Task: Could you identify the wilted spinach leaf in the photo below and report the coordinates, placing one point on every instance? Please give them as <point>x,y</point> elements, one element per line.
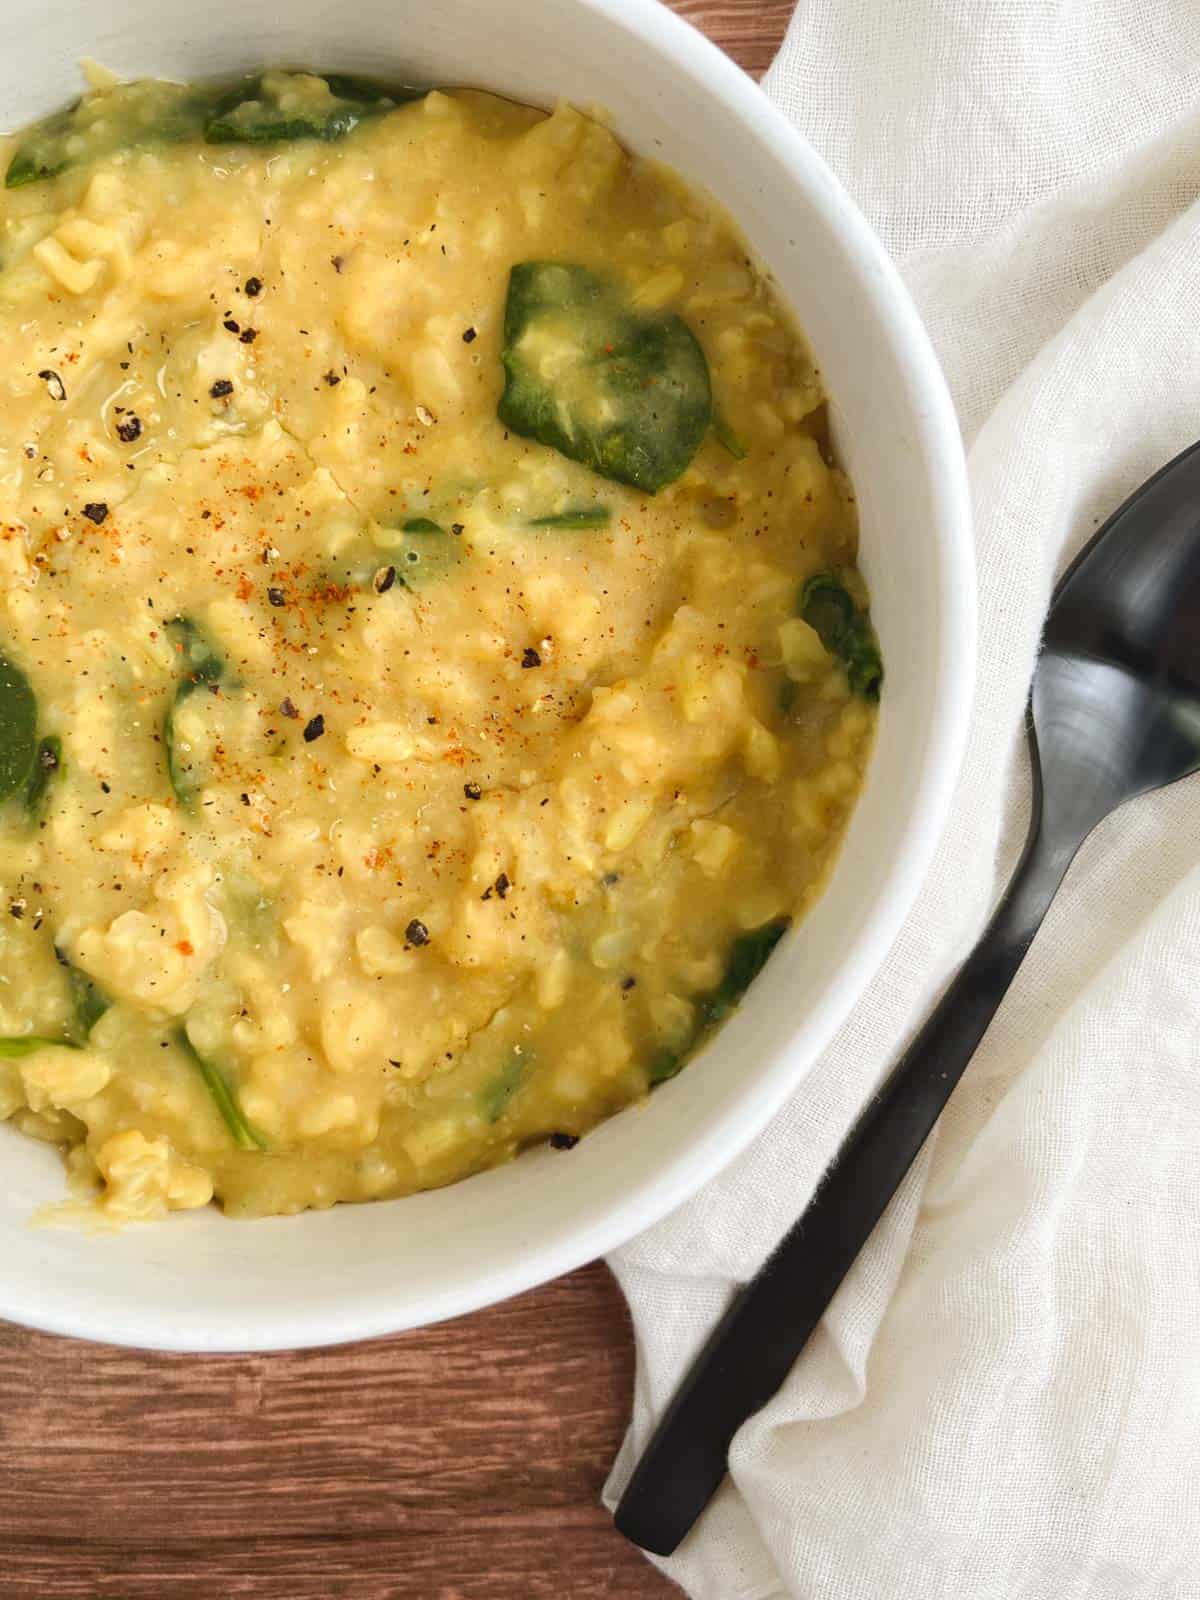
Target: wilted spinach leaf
<point>845,632</point>
<point>18,729</point>
<point>626,394</point>
<point>582,517</point>
<point>202,667</point>
<point>24,1044</point>
<point>273,108</point>
<point>129,116</point>
<point>245,1135</point>
<point>504,1085</point>
<point>746,958</point>
<point>88,1001</point>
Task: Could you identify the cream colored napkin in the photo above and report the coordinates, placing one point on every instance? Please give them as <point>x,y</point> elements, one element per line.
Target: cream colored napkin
<point>1003,1402</point>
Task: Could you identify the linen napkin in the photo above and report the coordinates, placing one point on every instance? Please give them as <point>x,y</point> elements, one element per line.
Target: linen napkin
<point>1003,1401</point>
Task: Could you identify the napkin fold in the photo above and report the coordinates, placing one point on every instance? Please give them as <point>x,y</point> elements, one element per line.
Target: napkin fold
<point>1003,1401</point>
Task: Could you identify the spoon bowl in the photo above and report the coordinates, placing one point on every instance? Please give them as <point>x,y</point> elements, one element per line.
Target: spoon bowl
<point>1115,708</point>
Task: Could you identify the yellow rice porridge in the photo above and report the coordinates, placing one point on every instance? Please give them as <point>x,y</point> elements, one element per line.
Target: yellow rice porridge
<point>433,669</point>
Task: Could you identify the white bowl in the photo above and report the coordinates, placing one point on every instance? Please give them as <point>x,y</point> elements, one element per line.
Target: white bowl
<point>201,1282</point>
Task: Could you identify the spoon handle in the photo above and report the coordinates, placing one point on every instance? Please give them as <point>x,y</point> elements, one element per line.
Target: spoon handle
<point>769,1321</point>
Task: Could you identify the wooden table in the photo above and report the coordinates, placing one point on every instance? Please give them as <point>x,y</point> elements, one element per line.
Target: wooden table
<point>463,1462</point>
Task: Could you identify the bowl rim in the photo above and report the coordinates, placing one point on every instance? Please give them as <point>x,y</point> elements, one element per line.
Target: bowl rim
<point>650,1199</point>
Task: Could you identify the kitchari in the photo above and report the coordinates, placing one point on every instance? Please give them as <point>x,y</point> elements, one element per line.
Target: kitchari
<point>433,669</point>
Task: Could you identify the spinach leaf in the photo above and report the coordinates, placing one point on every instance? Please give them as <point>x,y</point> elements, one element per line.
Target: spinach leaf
<point>26,763</point>
<point>665,1064</point>
<point>265,108</point>
<point>270,108</point>
<point>827,608</point>
<point>626,394</point>
<point>24,1044</point>
<point>726,437</point>
<point>47,766</point>
<point>202,668</point>
<point>245,1135</point>
<point>43,152</point>
<point>428,551</point>
<point>18,729</point>
<point>747,957</point>
<point>202,661</point>
<point>130,116</point>
<point>845,632</point>
<point>583,517</point>
<point>500,1091</point>
<point>88,1001</point>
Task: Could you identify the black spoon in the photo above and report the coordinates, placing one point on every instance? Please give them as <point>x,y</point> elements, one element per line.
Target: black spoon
<point>1114,712</point>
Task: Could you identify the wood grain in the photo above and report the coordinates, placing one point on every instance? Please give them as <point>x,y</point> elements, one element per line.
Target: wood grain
<point>749,30</point>
<point>462,1462</point>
